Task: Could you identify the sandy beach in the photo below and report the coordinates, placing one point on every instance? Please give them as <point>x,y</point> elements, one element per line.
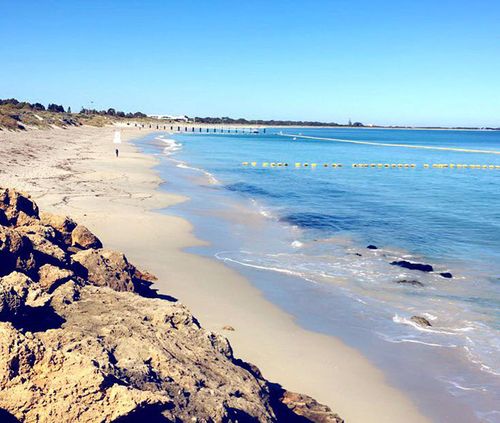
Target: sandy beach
<point>74,172</point>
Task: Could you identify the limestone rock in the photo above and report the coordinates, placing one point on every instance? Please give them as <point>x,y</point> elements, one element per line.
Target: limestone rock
<point>309,408</point>
<point>46,251</point>
<point>12,246</point>
<point>83,238</point>
<point>13,202</point>
<point>106,268</point>
<point>14,290</point>
<point>51,276</point>
<point>62,224</point>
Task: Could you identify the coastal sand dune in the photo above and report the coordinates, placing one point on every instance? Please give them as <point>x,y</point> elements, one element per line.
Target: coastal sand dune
<point>75,172</point>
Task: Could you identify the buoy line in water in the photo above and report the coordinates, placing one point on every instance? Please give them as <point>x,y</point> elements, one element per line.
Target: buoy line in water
<point>373,165</point>
<point>382,144</point>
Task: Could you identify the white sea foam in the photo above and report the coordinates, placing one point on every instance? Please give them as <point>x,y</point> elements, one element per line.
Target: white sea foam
<point>220,256</point>
<point>448,331</point>
<point>297,244</point>
<point>401,340</point>
<point>172,146</point>
<point>211,178</point>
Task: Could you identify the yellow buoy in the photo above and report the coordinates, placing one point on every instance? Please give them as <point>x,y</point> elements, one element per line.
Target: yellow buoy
<point>254,164</point>
<point>297,164</point>
<point>265,164</point>
<point>245,163</point>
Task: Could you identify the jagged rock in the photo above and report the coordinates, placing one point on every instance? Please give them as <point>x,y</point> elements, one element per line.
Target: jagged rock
<point>62,224</point>
<point>12,246</point>
<point>145,276</point>
<point>229,328</point>
<point>446,275</point>
<point>372,247</point>
<point>309,408</point>
<point>421,321</point>
<point>44,231</point>
<point>83,238</point>
<point>117,356</point>
<point>47,251</point>
<point>413,282</point>
<point>50,277</point>
<point>413,266</point>
<point>105,268</point>
<point>13,293</point>
<point>13,202</point>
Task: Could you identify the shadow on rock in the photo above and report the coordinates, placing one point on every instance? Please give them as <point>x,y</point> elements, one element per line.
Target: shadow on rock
<point>143,288</point>
<point>37,319</point>
<point>6,417</point>
<point>151,414</point>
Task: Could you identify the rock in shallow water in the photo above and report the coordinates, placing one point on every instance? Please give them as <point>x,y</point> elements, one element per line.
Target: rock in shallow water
<point>421,321</point>
<point>413,266</point>
<point>410,282</point>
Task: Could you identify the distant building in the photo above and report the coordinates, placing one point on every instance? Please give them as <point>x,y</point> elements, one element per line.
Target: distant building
<point>182,118</point>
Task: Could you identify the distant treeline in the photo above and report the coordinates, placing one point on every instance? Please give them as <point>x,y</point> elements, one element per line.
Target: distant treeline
<point>112,112</point>
<point>32,106</point>
<point>57,108</point>
<point>242,121</point>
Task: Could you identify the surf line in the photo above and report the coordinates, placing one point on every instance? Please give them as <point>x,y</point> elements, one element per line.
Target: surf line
<point>381,144</point>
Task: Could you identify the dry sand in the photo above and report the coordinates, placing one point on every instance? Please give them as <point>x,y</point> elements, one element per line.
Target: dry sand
<point>74,172</point>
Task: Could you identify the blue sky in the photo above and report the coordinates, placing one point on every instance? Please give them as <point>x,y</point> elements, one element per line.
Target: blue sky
<point>386,62</point>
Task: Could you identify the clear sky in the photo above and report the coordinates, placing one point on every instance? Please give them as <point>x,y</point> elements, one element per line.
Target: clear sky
<point>425,62</point>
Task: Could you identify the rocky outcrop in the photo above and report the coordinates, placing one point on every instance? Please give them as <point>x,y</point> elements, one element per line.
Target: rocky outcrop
<point>84,338</point>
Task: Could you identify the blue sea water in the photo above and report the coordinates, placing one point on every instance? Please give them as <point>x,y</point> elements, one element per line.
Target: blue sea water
<point>310,227</point>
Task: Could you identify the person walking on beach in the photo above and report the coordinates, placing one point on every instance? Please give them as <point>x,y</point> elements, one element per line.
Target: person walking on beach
<point>117,139</point>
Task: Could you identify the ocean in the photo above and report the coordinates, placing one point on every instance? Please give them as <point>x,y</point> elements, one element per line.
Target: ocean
<point>300,234</point>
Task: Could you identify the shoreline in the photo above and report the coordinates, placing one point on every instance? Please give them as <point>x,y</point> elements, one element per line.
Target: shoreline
<point>116,199</point>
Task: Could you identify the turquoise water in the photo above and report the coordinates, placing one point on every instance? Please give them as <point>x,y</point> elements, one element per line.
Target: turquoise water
<point>310,228</point>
